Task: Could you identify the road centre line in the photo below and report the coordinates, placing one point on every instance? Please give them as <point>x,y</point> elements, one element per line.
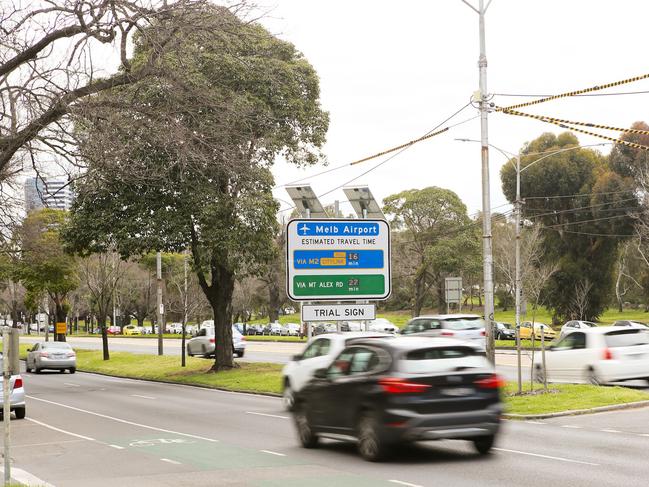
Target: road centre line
<point>117,447</point>
<point>143,397</point>
<point>546,456</point>
<point>610,431</point>
<point>535,422</point>
<point>174,462</point>
<point>570,426</point>
<point>48,443</point>
<point>60,430</point>
<point>71,384</point>
<point>273,453</point>
<point>269,415</point>
<point>407,484</point>
<point>119,420</point>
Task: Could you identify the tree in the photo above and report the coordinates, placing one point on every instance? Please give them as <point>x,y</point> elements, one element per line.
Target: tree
<point>183,162</point>
<point>438,237</point>
<point>44,266</point>
<point>583,206</point>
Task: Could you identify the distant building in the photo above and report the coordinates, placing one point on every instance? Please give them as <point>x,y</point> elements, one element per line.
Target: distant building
<point>55,193</point>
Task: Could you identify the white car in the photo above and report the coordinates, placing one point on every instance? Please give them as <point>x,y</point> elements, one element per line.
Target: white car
<point>576,325</point>
<point>291,329</point>
<point>631,324</point>
<point>384,325</point>
<point>318,353</point>
<point>470,328</point>
<point>598,356</point>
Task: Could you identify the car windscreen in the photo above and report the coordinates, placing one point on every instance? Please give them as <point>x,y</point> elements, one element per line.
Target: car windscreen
<point>440,359</point>
<point>62,345</point>
<point>588,323</point>
<point>626,338</point>
<point>464,324</point>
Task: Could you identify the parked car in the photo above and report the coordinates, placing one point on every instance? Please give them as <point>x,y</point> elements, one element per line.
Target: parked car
<point>132,330</point>
<point>529,332</point>
<point>575,325</point>
<point>318,352</point>
<point>459,326</point>
<point>174,328</point>
<point>204,343</point>
<point>401,390</point>
<point>631,324</point>
<point>504,331</point>
<point>51,356</point>
<point>254,329</point>
<point>351,326</point>
<point>292,329</point>
<point>16,396</point>
<point>114,330</point>
<point>598,356</point>
<point>276,329</point>
<point>382,324</point>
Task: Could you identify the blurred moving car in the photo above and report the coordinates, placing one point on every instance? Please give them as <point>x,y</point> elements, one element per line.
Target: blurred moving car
<point>504,331</point>
<point>402,390</point>
<point>204,343</point>
<point>534,333</point>
<point>318,352</point>
<point>575,325</point>
<point>598,356</point>
<point>132,330</point>
<point>382,324</point>
<point>16,395</point>
<point>51,356</point>
<point>631,324</point>
<point>459,326</point>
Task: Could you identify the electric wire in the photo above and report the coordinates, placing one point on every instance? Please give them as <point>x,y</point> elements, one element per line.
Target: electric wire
<point>529,95</point>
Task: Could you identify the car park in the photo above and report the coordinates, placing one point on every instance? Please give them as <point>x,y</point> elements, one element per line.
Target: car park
<point>631,324</point>
<point>51,356</point>
<point>532,331</point>
<point>318,352</point>
<point>16,396</point>
<point>573,325</point>
<point>132,330</point>
<point>459,326</point>
<point>597,355</point>
<point>401,390</point>
<point>504,331</point>
<point>204,343</point>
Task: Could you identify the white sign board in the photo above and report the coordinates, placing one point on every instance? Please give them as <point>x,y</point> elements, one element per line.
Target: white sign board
<point>337,260</point>
<point>338,312</point>
<point>453,286</point>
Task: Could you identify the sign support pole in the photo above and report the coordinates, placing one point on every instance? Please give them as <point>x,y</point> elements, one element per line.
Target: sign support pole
<point>6,405</point>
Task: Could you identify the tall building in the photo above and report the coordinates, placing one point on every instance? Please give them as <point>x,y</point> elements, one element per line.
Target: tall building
<point>53,193</point>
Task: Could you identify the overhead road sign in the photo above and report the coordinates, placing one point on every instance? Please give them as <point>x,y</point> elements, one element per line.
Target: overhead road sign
<point>336,259</point>
<point>364,204</point>
<point>306,201</point>
<point>338,312</point>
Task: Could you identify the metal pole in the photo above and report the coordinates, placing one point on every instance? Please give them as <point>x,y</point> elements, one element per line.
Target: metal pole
<point>517,286</point>
<point>486,203</point>
<point>309,331</point>
<point>160,311</point>
<point>6,405</point>
<point>184,329</point>
<point>545,375</point>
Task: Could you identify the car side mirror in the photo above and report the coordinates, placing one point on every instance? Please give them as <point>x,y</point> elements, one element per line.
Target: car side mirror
<point>296,357</point>
<point>320,373</point>
<point>552,347</point>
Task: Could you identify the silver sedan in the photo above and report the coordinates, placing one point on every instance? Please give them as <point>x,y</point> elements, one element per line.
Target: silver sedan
<point>52,355</point>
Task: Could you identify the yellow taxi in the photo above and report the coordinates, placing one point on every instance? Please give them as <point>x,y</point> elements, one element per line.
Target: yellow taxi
<point>131,330</point>
<point>527,332</point>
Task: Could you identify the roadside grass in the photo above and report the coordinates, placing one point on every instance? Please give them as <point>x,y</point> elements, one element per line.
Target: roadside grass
<point>567,397</point>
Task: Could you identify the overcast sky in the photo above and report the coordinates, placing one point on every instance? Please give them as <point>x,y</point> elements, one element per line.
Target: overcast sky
<point>391,71</point>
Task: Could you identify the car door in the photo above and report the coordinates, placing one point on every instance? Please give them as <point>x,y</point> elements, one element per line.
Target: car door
<point>195,344</point>
<point>323,396</point>
<point>315,356</point>
<point>560,357</point>
<point>579,359</point>
<point>31,356</point>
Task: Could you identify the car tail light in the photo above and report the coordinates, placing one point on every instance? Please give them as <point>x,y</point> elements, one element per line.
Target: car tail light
<point>483,333</point>
<point>212,340</point>
<point>491,382</point>
<point>401,386</point>
<point>447,334</point>
<point>18,383</point>
<point>44,354</point>
<point>607,354</point>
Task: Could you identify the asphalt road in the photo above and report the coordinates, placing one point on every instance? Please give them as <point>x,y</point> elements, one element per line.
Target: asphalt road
<point>90,430</point>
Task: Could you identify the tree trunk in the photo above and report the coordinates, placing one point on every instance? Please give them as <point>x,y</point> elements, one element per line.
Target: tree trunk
<point>273,303</point>
<point>441,298</point>
<point>104,336</point>
<point>60,318</point>
<point>220,298</point>
<point>420,285</point>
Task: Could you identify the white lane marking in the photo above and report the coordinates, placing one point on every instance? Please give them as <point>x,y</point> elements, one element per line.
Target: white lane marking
<point>143,397</point>
<point>60,430</point>
<point>269,415</point>
<point>535,422</point>
<point>26,478</point>
<point>571,426</point>
<point>546,456</point>
<point>71,384</point>
<point>174,462</point>
<point>119,420</point>
<point>46,443</point>
<point>273,453</point>
<point>643,434</point>
<point>117,447</point>
<point>407,484</point>
<point>610,431</point>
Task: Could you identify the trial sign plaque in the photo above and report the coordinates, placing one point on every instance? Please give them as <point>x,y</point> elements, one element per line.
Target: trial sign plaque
<point>338,260</point>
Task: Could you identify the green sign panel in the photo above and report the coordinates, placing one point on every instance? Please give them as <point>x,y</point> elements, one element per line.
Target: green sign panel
<point>339,285</point>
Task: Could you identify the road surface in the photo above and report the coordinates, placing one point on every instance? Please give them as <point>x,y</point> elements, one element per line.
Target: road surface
<point>89,430</point>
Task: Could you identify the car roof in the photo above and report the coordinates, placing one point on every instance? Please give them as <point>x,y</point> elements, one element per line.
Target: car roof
<point>355,334</point>
<point>445,317</point>
<point>605,329</point>
<point>416,342</point>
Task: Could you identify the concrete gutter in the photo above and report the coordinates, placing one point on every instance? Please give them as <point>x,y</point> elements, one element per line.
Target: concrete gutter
<point>577,412</point>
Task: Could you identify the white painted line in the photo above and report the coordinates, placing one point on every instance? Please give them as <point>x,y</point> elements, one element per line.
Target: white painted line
<point>143,397</point>
<point>407,484</point>
<point>71,384</point>
<point>117,447</point>
<point>27,445</point>
<point>610,431</point>
<point>174,462</point>
<point>571,426</point>
<point>268,415</point>
<point>60,430</point>
<point>643,434</point>
<point>547,456</point>
<point>273,453</point>
<point>119,420</point>
<point>535,422</point>
<point>26,478</point>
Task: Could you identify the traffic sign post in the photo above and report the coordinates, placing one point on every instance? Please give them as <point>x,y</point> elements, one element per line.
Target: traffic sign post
<point>338,260</point>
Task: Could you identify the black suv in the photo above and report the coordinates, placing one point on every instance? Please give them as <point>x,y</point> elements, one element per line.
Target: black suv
<point>382,392</point>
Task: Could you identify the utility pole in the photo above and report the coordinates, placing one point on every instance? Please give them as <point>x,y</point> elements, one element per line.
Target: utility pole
<point>160,308</point>
<point>517,222</point>
<point>184,328</point>
<point>6,404</point>
<point>487,263</point>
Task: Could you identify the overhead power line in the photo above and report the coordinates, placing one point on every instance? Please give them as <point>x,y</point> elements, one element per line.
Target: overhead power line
<point>529,95</point>
<point>576,195</point>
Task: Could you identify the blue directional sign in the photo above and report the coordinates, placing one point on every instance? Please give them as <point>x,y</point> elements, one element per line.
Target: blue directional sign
<point>338,259</point>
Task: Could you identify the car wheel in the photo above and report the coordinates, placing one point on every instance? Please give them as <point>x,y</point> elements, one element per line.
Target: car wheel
<point>539,376</point>
<point>73,370</point>
<point>308,438</point>
<point>241,352</point>
<point>483,444</point>
<point>20,413</point>
<point>288,396</point>
<point>62,371</point>
<point>37,370</point>
<point>592,377</point>
<point>370,445</point>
